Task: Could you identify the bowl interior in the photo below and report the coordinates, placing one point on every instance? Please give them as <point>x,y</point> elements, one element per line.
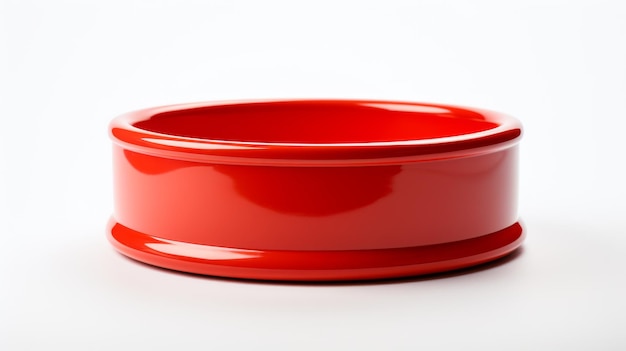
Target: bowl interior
<point>317,122</point>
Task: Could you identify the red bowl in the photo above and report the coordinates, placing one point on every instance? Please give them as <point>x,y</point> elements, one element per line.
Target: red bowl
<point>315,190</point>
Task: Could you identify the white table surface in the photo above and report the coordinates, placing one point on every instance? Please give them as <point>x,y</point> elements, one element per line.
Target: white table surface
<point>68,67</point>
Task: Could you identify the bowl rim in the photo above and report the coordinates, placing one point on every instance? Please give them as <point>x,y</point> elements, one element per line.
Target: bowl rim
<point>123,132</point>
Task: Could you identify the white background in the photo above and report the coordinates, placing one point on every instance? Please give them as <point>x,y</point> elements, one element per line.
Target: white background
<point>68,67</point>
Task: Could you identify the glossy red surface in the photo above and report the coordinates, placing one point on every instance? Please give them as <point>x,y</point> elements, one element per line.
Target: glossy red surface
<point>315,190</point>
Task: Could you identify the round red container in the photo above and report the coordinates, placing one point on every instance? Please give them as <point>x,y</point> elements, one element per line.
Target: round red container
<point>315,189</point>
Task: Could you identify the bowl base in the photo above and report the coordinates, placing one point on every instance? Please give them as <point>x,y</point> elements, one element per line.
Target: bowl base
<point>313,265</point>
